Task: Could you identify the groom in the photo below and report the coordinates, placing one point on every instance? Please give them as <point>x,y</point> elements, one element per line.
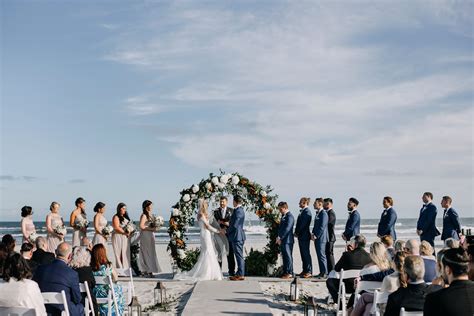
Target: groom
<point>236,237</point>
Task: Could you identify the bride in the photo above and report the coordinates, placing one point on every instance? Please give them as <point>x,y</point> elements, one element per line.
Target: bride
<point>207,267</point>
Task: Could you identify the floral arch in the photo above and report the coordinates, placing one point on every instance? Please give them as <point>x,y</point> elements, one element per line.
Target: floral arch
<point>257,199</point>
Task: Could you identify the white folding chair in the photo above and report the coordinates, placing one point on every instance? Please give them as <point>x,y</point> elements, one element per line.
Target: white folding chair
<point>368,286</point>
<point>341,299</point>
<point>56,298</point>
<point>17,311</point>
<point>107,280</point>
<point>379,298</point>
<point>88,304</point>
<point>343,311</point>
<point>130,286</point>
<point>405,313</point>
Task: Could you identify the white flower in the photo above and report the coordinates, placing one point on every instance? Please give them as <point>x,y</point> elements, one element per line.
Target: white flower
<point>221,186</point>
<point>195,188</point>
<point>263,193</point>
<point>181,253</point>
<point>267,206</point>
<point>225,179</point>
<point>215,180</point>
<point>176,212</point>
<point>193,196</point>
<point>235,180</point>
<point>177,234</point>
<point>186,198</point>
<point>208,186</point>
<point>173,242</point>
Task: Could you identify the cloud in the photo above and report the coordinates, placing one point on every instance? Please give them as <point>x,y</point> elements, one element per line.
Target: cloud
<point>18,178</point>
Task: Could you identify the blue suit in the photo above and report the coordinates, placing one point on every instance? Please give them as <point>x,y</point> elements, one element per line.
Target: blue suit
<point>304,237</point>
<point>56,277</point>
<point>352,225</point>
<point>321,235</point>
<point>427,223</point>
<point>387,223</point>
<point>285,233</point>
<point>236,238</point>
<point>451,224</point>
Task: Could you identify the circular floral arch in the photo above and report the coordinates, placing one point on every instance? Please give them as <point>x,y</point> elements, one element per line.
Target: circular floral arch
<point>257,199</point>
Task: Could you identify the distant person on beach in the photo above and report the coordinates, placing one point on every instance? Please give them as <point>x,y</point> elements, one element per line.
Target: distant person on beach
<point>303,234</point>
<point>451,224</point>
<point>426,225</point>
<point>27,225</point>
<point>286,239</point>
<point>388,219</point>
<point>320,236</point>
<point>353,222</point>
<point>328,204</point>
<point>78,215</point>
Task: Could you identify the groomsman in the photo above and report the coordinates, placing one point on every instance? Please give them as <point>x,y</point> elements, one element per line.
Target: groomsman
<point>222,217</point>
<point>320,236</point>
<point>286,239</point>
<point>353,222</point>
<point>388,219</point>
<point>331,233</point>
<point>303,234</point>
<point>451,224</point>
<point>426,225</point>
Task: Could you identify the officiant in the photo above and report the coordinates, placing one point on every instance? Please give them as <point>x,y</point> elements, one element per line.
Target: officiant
<point>221,219</point>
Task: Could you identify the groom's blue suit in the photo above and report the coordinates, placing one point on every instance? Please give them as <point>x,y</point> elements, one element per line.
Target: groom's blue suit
<point>236,237</point>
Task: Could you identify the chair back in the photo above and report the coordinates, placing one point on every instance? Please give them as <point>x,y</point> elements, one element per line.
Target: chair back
<point>342,276</point>
<point>88,304</point>
<point>17,311</point>
<point>107,280</point>
<point>58,298</point>
<point>403,312</point>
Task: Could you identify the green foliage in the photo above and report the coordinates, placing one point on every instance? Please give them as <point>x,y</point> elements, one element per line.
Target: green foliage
<point>256,263</point>
<point>190,260</point>
<point>135,250</point>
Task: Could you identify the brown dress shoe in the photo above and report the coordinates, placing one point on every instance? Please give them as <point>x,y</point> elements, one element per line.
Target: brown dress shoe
<point>286,276</point>
<point>307,276</point>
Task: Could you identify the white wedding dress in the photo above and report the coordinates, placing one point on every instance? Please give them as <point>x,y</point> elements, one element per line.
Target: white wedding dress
<point>207,267</point>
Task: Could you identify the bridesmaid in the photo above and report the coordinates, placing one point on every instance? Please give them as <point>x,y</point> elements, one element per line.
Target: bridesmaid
<point>53,219</point>
<point>148,262</point>
<point>120,238</point>
<point>99,223</point>
<point>77,215</point>
<point>27,225</point>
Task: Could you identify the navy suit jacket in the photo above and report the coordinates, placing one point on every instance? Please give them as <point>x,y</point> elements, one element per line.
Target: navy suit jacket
<point>235,232</point>
<point>320,228</point>
<point>451,224</point>
<point>427,222</point>
<point>285,230</point>
<point>56,277</point>
<point>302,224</point>
<point>352,225</point>
<point>331,224</point>
<point>387,223</point>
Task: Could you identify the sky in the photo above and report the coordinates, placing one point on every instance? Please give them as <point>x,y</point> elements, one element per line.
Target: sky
<point>122,101</point>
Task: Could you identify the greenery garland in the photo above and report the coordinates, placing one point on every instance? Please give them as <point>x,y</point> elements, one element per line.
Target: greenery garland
<point>257,199</point>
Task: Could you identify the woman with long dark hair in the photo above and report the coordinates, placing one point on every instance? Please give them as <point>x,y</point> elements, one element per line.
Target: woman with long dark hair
<point>76,220</point>
<point>148,262</point>
<point>120,237</point>
<point>99,224</point>
<point>27,225</point>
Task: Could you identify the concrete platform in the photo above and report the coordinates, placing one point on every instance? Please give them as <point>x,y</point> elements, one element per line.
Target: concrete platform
<point>227,298</point>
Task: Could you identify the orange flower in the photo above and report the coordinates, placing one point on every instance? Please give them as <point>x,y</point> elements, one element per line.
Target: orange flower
<point>179,242</point>
<point>264,199</point>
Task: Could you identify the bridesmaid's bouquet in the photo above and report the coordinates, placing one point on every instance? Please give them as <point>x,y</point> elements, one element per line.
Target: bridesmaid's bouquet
<point>130,228</point>
<point>82,223</point>
<point>60,230</point>
<point>32,238</point>
<point>156,222</point>
<point>107,230</point>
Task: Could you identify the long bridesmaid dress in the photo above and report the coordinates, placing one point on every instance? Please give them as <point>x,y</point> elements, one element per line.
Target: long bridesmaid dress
<point>29,228</point>
<point>148,262</point>
<point>98,238</point>
<point>78,234</point>
<point>54,241</point>
<point>121,246</point>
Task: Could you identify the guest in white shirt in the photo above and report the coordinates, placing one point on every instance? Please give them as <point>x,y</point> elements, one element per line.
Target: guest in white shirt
<point>16,290</point>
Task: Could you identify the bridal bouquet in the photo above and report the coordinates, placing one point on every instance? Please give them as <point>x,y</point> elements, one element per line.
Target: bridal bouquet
<point>156,222</point>
<point>107,230</point>
<point>60,230</point>
<point>82,223</point>
<point>130,228</point>
<point>32,238</point>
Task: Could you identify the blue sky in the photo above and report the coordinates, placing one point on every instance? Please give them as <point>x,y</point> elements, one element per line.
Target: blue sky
<point>131,100</point>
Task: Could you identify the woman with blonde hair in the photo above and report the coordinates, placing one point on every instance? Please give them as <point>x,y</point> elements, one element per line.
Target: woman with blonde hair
<point>380,261</point>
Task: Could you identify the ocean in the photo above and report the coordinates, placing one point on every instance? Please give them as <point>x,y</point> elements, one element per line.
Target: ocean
<point>255,230</point>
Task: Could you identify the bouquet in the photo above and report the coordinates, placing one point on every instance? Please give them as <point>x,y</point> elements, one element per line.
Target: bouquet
<point>60,230</point>
<point>156,222</point>
<point>82,223</point>
<point>107,230</point>
<point>130,228</point>
<point>32,238</point>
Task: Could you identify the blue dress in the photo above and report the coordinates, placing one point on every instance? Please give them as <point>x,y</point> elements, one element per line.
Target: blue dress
<point>102,290</point>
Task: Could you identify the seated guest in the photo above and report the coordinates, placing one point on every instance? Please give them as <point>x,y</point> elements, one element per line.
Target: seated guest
<point>85,242</point>
<point>426,252</point>
<point>387,241</point>
<point>399,245</point>
<point>379,259</point>
<point>101,266</point>
<point>470,251</point>
<point>411,297</point>
<point>81,263</point>
<point>412,247</point>
<point>58,276</point>
<point>16,290</point>
<point>458,298</point>
<point>9,242</point>
<point>41,255</point>
<point>26,252</point>
<point>439,280</point>
<point>353,259</point>
<point>451,243</point>
<point>3,257</point>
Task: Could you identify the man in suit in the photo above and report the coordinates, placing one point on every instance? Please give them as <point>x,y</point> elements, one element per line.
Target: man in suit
<point>58,276</point>
<point>426,225</point>
<point>320,236</point>
<point>286,239</point>
<point>412,297</point>
<point>222,218</point>
<point>303,234</point>
<point>355,258</point>
<point>412,248</point>
<point>387,220</point>
<point>40,255</point>
<point>353,222</point>
<point>236,237</point>
<point>332,235</point>
<point>26,252</point>
<point>458,298</point>
<point>451,224</point>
